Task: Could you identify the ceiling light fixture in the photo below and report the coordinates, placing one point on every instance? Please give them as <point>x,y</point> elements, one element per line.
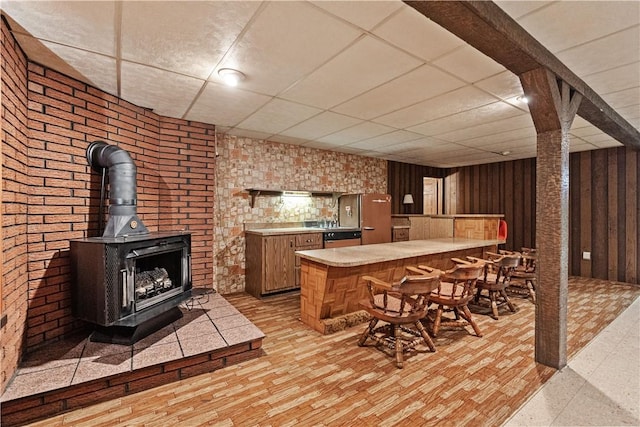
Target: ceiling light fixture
<point>523,98</point>
<point>230,76</point>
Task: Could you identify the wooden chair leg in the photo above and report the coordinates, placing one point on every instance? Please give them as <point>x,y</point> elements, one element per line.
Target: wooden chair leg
<point>478,292</point>
<point>508,301</point>
<point>365,334</point>
<point>437,320</point>
<point>398,340</point>
<point>425,335</point>
<point>494,304</point>
<point>467,314</point>
<point>532,290</point>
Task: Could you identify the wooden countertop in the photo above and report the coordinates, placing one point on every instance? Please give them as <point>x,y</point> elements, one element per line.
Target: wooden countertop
<point>451,216</point>
<point>370,254</point>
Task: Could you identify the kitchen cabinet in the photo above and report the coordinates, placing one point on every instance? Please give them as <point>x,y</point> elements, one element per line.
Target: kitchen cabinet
<point>271,264</point>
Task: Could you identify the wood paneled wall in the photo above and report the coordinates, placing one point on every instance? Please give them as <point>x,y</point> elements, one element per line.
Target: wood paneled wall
<point>507,187</point>
<point>604,207</point>
<point>403,178</point>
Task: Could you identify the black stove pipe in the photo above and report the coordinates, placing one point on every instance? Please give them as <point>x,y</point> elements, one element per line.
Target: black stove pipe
<point>123,218</point>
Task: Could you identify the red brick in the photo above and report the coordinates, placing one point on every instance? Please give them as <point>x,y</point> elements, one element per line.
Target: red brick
<point>153,381</point>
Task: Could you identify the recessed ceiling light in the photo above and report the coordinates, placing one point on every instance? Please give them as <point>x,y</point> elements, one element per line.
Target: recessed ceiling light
<point>230,76</point>
<point>505,153</point>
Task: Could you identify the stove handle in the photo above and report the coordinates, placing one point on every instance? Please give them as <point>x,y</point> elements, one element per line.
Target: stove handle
<point>125,294</point>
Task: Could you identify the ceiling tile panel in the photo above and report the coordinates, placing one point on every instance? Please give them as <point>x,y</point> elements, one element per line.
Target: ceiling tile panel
<point>417,85</point>
<point>513,146</point>
<point>321,125</point>
<point>411,31</point>
<point>185,37</point>
<point>603,54</point>
<point>35,48</point>
<point>469,64</point>
<point>615,79</point>
<point>465,98</point>
<point>287,41</point>
<point>386,140</point>
<point>512,119</point>
<point>168,94</point>
<point>95,69</point>
<point>363,66</point>
<point>87,25</point>
<point>278,115</point>
<point>288,140</point>
<point>504,85</point>
<point>247,133</point>
<point>466,119</point>
<point>631,114</point>
<point>500,138</point>
<point>550,26</point>
<point>417,144</point>
<point>623,98</point>
<point>364,14</point>
<point>519,8</point>
<point>356,133</point>
<point>224,105</point>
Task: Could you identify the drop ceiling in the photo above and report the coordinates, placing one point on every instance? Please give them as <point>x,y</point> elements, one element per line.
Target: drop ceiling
<point>374,78</point>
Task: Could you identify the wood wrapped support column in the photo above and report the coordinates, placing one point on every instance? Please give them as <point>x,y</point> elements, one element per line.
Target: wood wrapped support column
<point>553,105</point>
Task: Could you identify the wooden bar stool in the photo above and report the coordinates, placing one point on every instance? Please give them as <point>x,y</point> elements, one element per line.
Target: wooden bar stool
<point>497,274</point>
<point>524,277</point>
<point>400,306</point>
<point>456,289</point>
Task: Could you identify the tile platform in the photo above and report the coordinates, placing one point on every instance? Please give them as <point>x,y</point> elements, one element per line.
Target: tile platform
<point>76,372</point>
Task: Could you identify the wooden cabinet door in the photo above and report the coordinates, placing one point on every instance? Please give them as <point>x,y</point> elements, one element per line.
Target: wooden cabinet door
<point>279,263</point>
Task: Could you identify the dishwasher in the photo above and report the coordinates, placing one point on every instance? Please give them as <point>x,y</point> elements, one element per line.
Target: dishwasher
<point>341,238</point>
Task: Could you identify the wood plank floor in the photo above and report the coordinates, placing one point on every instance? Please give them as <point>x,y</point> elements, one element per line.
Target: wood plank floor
<point>305,378</point>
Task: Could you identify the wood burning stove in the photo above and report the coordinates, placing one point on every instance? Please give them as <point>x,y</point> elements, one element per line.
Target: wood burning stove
<point>129,282</point>
<point>130,286</point>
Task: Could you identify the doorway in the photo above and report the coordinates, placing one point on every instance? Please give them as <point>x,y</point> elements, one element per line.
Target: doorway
<point>432,196</point>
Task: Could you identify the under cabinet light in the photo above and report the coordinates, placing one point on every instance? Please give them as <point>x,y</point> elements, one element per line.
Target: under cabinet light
<point>296,193</point>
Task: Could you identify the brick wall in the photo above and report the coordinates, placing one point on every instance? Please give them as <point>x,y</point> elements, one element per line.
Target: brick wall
<point>186,197</point>
<point>15,181</point>
<point>172,175</point>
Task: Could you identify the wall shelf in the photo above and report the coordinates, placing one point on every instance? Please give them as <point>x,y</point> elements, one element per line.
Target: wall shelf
<point>255,192</point>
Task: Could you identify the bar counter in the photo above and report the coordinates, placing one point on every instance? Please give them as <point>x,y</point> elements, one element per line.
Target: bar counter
<point>331,279</point>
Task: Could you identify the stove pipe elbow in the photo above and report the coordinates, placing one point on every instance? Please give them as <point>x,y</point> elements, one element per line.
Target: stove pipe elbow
<point>123,217</point>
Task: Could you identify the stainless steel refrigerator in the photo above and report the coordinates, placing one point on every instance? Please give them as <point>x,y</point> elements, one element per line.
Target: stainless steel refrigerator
<point>371,213</point>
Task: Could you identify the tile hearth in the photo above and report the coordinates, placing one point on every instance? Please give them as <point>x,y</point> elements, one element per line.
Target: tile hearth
<point>211,334</point>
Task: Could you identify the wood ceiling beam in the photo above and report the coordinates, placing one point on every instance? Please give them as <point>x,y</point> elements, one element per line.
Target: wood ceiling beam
<point>493,32</point>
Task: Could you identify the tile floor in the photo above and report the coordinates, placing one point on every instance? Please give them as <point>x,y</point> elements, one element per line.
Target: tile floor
<point>209,323</point>
<point>600,386</point>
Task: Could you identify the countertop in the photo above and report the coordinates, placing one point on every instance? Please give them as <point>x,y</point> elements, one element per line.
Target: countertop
<point>295,230</point>
<point>381,252</point>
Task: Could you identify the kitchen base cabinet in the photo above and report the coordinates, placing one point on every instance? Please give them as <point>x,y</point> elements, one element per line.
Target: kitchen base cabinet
<point>271,264</point>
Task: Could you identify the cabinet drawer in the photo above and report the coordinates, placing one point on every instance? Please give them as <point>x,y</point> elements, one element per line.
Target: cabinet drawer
<point>400,234</point>
<point>309,239</point>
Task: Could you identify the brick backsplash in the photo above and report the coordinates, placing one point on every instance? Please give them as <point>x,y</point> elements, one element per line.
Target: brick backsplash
<point>50,194</point>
